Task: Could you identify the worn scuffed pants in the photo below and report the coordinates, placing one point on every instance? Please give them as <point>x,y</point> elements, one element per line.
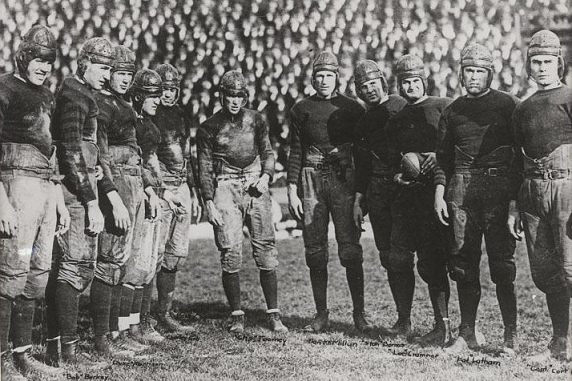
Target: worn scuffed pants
<point>25,259</point>
<point>545,203</point>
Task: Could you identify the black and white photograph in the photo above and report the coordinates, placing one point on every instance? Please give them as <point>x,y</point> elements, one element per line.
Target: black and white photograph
<point>285,190</point>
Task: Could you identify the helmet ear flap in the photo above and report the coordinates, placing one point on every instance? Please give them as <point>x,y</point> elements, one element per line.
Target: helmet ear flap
<point>384,84</point>
<point>561,67</point>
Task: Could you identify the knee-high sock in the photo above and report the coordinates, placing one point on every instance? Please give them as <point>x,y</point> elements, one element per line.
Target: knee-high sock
<point>269,283</point>
<point>114,309</point>
<point>22,321</point>
<point>404,285</point>
<point>136,305</point>
<point>231,285</point>
<point>5,318</point>
<point>319,280</point>
<point>469,299</point>
<point>146,301</point>
<point>440,302</point>
<point>559,308</point>
<point>127,292</point>
<point>506,297</point>
<point>67,302</point>
<point>52,324</point>
<point>354,276</point>
<point>100,299</point>
<point>166,281</point>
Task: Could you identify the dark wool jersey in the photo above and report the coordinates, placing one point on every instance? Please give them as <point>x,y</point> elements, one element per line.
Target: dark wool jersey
<point>75,121</point>
<point>371,139</point>
<point>175,130</point>
<point>234,139</point>
<point>323,123</point>
<point>25,112</point>
<point>115,127</point>
<point>477,126</point>
<point>414,129</point>
<point>543,122</point>
<point>149,138</point>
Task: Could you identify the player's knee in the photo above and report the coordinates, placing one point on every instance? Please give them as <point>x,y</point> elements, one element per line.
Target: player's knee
<point>267,260</point>
<point>231,260</point>
<point>316,256</point>
<point>400,259</point>
<point>384,258</point>
<point>503,272</point>
<point>351,254</point>
<point>433,276</point>
<point>548,284</point>
<point>171,264</point>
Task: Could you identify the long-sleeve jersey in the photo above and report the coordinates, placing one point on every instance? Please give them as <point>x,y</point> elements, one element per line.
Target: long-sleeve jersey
<point>476,126</point>
<point>322,123</point>
<point>25,112</point>
<point>414,129</point>
<point>115,127</point>
<point>371,139</point>
<point>75,121</point>
<point>543,123</point>
<point>174,148</point>
<point>149,138</point>
<point>234,139</point>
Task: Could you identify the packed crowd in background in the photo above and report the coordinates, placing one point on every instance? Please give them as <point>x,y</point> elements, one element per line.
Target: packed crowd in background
<point>274,42</point>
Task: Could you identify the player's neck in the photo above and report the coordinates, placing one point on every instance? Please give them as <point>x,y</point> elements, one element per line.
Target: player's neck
<point>551,86</point>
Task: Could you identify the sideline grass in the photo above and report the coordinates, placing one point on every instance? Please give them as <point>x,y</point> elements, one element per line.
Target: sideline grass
<point>341,353</point>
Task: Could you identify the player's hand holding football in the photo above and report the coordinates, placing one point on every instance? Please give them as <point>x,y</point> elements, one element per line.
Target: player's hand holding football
<point>514,222</point>
<point>429,163</point>
<point>294,202</point>
<point>213,215</point>
<point>9,225</point>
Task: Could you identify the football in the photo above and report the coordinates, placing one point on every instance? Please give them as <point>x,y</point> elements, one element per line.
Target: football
<point>411,165</point>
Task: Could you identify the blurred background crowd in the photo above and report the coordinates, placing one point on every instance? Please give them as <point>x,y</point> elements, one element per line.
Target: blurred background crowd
<point>274,41</point>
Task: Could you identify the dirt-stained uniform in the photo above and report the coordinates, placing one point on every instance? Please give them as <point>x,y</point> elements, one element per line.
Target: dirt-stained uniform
<point>27,175</point>
<point>374,178</point>
<point>236,164</point>
<point>543,137</point>
<point>415,228</point>
<point>475,165</point>
<point>74,129</point>
<point>121,161</point>
<point>320,165</point>
<point>174,157</point>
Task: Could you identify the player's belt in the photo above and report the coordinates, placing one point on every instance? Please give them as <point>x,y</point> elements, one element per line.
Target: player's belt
<point>174,181</point>
<point>491,171</point>
<point>40,174</point>
<point>320,165</point>
<point>547,174</point>
<point>127,170</point>
<point>238,176</point>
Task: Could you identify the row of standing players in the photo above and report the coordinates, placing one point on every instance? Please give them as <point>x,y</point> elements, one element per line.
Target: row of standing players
<point>468,148</point>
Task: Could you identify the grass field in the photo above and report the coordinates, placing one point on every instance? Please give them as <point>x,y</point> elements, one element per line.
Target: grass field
<point>341,353</point>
